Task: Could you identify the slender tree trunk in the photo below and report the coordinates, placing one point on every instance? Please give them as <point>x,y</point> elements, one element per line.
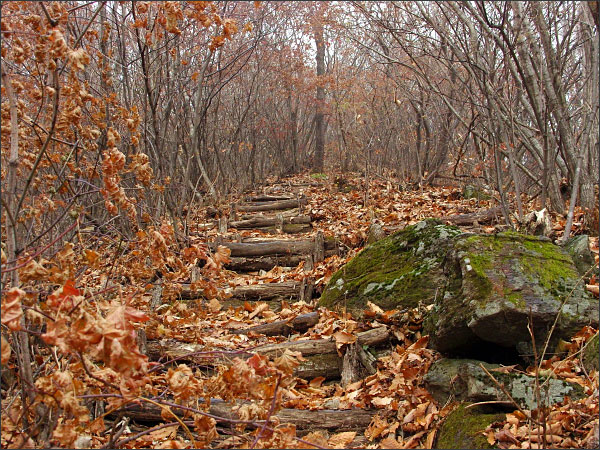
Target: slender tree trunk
<point>320,116</point>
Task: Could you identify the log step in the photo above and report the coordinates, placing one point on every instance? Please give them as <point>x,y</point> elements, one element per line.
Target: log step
<point>321,357</point>
<point>252,247</point>
<point>264,221</point>
<point>298,324</point>
<point>261,292</point>
<point>271,205</point>
<point>330,419</point>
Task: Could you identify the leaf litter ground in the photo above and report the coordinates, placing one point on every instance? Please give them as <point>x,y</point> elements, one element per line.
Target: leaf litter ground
<point>116,278</point>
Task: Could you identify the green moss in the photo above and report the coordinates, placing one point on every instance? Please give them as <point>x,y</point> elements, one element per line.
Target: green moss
<point>542,261</point>
<point>516,298</point>
<point>463,429</point>
<point>318,176</point>
<point>398,271</point>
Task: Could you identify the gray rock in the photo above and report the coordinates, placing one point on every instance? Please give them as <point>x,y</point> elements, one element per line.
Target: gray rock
<point>465,380</point>
<point>497,283</point>
<point>579,249</point>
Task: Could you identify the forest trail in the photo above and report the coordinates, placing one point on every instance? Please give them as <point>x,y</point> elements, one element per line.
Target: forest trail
<point>355,379</point>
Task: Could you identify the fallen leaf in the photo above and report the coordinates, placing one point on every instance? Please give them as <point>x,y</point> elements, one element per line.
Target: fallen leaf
<point>317,382</point>
<point>382,401</point>
<point>5,351</point>
<point>341,440</point>
<point>11,308</point>
<point>389,442</point>
<point>214,305</point>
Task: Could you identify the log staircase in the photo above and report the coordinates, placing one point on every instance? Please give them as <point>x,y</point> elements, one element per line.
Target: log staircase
<point>280,211</point>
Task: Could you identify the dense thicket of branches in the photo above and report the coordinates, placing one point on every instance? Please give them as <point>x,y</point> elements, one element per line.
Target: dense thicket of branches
<point>202,98</point>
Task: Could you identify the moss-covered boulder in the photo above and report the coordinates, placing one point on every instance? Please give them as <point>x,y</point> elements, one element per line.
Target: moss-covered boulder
<point>497,283</point>
<point>465,380</point>
<point>463,428</point>
<point>396,272</point>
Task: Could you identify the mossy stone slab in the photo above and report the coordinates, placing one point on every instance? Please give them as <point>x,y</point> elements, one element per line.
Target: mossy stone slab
<point>396,272</point>
<point>465,380</point>
<point>497,283</point>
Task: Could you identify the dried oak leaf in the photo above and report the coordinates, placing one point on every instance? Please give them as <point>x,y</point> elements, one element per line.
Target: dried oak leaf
<point>288,361</point>
<point>11,308</point>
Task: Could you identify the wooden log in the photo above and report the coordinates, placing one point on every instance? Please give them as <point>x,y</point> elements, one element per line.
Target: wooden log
<point>328,365</point>
<point>286,289</point>
<point>288,228</point>
<point>481,217</point>
<point>372,338</point>
<point>338,420</point>
<point>262,263</point>
<point>351,367</point>
<point>274,305</point>
<point>298,324</point>
<point>264,221</point>
<point>321,357</point>
<point>271,206</point>
<point>285,213</point>
<point>268,198</point>
<point>268,247</point>
<point>172,348</point>
<point>319,247</point>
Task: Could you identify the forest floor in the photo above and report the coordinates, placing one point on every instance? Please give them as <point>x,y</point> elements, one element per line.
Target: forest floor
<point>216,332</point>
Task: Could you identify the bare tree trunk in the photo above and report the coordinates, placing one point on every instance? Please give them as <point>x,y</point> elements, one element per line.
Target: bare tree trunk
<point>319,116</point>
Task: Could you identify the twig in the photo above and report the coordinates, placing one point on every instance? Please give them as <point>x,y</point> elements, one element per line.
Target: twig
<point>271,410</point>
<point>39,252</point>
<point>147,431</point>
<point>87,371</point>
<point>166,407</point>
<point>512,400</point>
<point>490,402</point>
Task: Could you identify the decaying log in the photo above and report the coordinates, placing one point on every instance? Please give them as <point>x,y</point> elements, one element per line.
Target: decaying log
<point>298,324</point>
<point>319,247</point>
<point>307,288</point>
<point>287,213</point>
<point>339,420</point>
<point>265,221</point>
<point>271,206</point>
<point>321,355</point>
<point>357,364</point>
<point>481,217</point>
<point>289,228</point>
<point>327,365</point>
